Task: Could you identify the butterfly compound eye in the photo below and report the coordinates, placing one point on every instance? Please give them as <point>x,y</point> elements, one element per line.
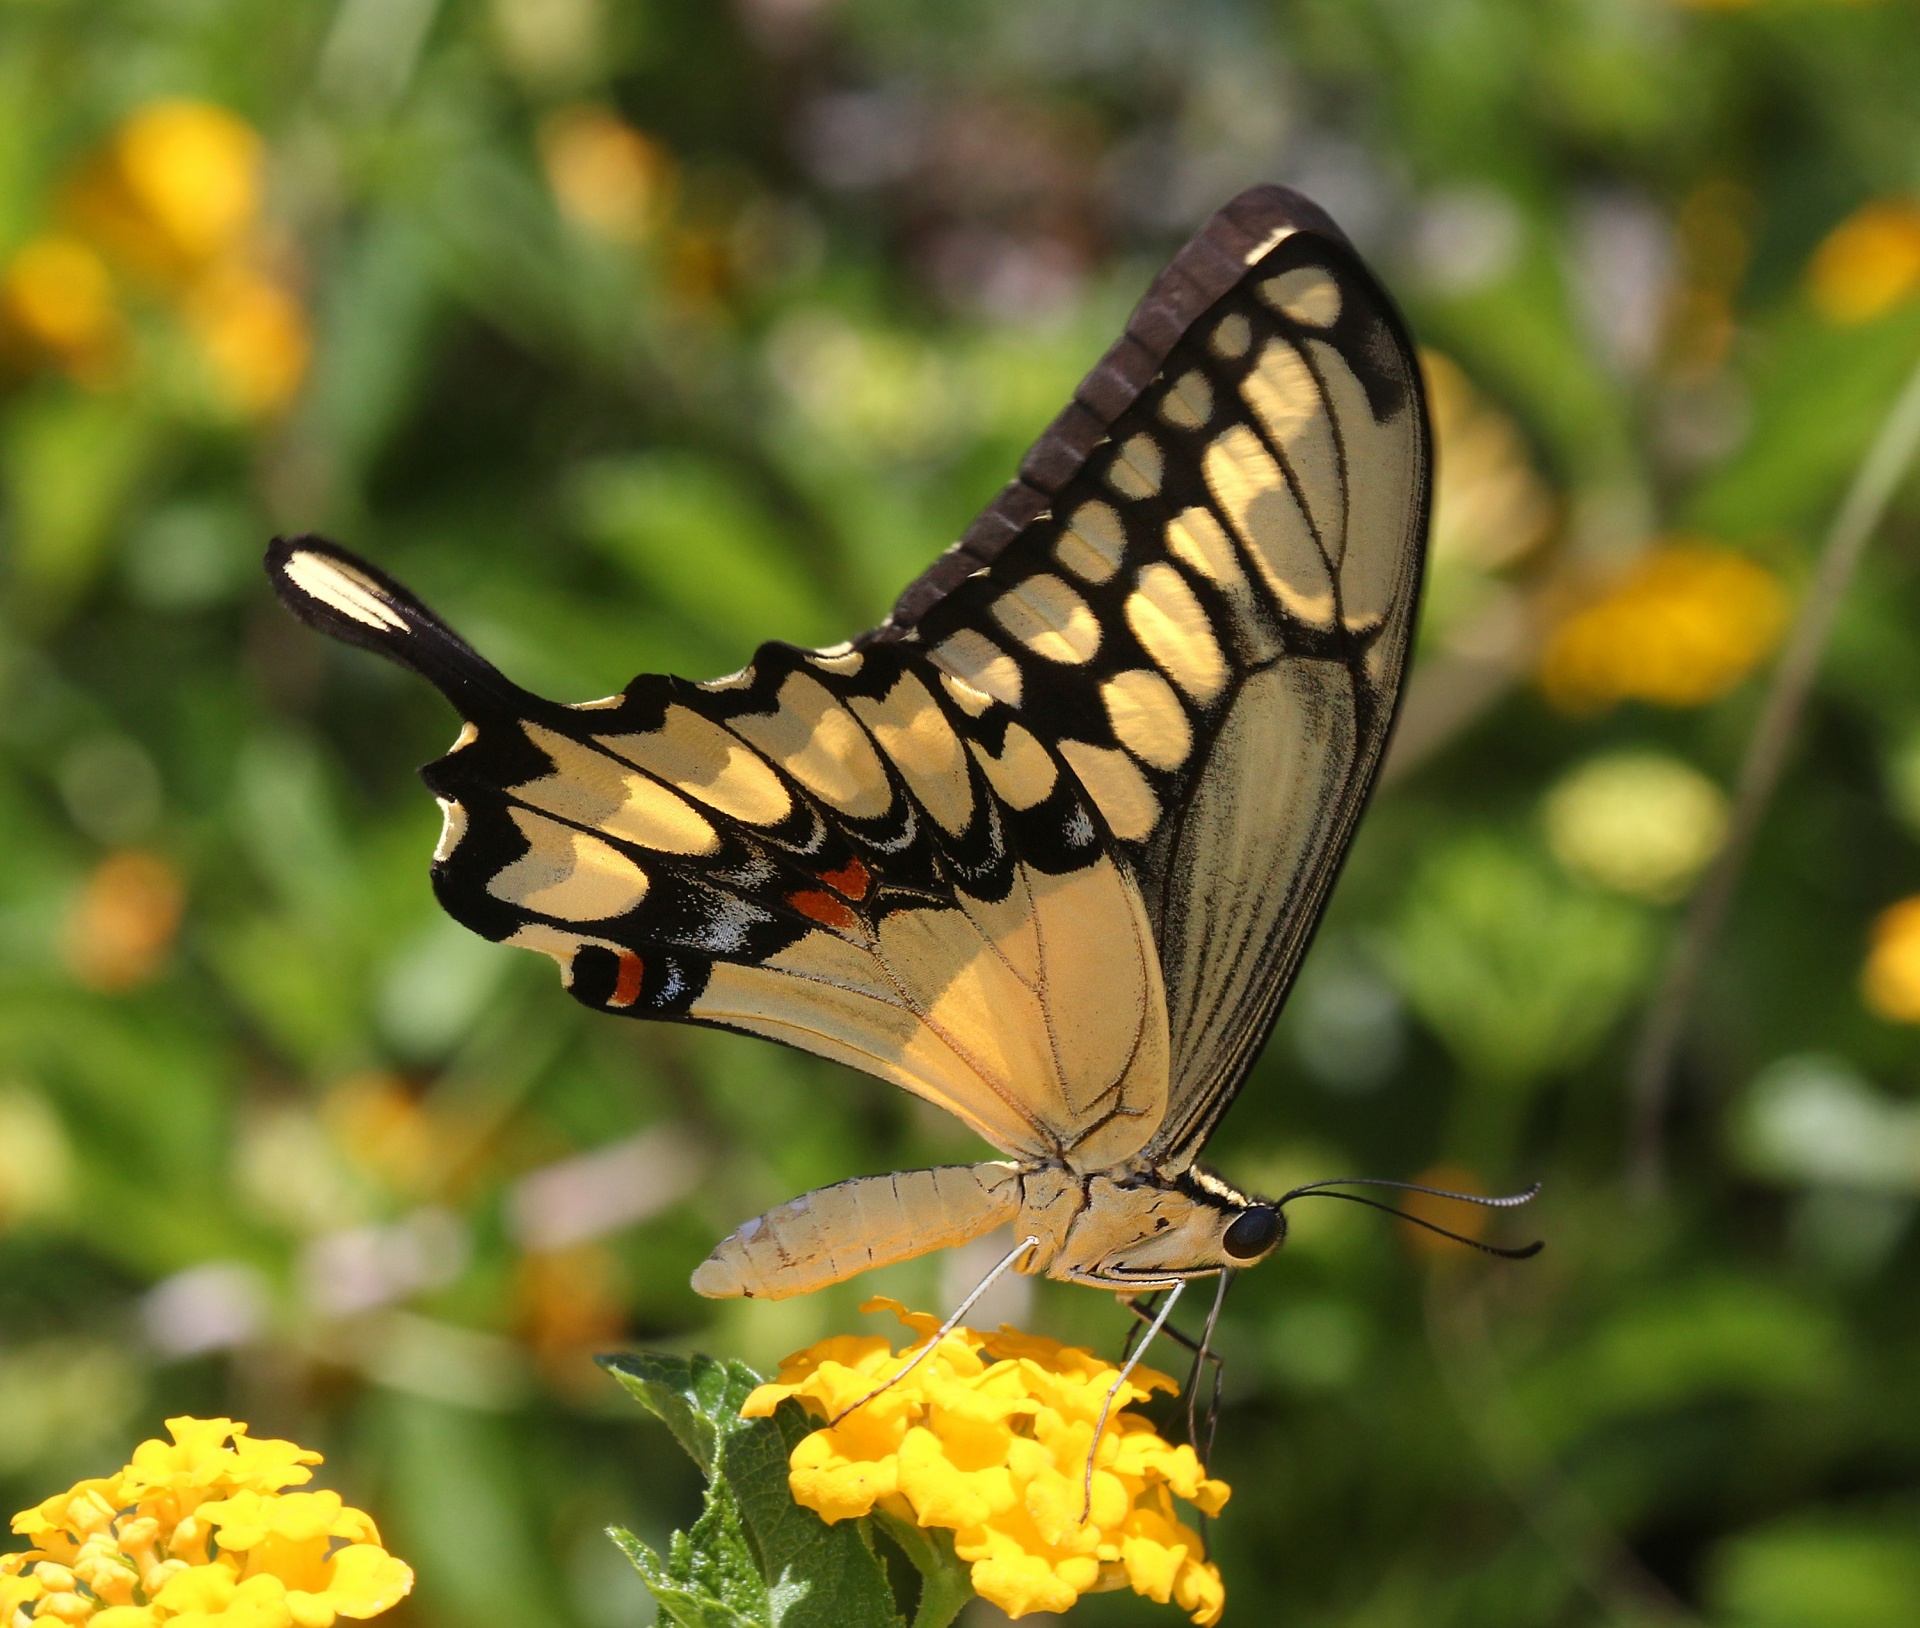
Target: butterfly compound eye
<point>1253,1232</point>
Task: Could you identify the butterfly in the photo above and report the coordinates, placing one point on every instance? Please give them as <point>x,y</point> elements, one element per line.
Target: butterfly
<point>1047,846</point>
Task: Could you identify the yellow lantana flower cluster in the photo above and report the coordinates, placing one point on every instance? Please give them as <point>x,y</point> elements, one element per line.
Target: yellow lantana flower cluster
<point>196,1533</point>
<point>1685,624</point>
<point>988,1437</point>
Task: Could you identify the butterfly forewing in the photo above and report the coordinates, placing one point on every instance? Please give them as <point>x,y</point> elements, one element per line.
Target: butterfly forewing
<point>1047,846</point>
<point>1207,619</point>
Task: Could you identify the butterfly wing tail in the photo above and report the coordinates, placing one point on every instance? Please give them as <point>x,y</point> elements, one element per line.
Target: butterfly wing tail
<point>331,588</point>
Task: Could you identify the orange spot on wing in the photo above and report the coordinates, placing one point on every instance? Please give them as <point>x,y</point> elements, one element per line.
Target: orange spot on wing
<point>825,909</point>
<point>626,987</point>
<point>853,879</point>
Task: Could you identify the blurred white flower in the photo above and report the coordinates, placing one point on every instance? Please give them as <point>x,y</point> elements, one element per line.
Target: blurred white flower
<point>288,1169</point>
<point>111,787</point>
<point>205,1308</point>
<point>867,392</point>
<point>1813,1120</point>
<point>61,1398</point>
<point>1466,238</point>
<point>1638,823</point>
<point>1621,267</point>
<point>361,1268</point>
<point>441,1361</point>
<point>1346,1022</point>
<point>575,1201</point>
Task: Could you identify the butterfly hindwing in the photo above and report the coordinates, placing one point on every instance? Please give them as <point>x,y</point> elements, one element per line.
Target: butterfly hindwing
<point>812,851</point>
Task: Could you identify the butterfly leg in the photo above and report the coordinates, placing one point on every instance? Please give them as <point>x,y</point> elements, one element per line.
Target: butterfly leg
<point>946,1328</point>
<point>1203,1352</point>
<point>1158,1322</point>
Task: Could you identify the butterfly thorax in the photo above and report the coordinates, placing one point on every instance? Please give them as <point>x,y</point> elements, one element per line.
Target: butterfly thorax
<point>1129,1228</point>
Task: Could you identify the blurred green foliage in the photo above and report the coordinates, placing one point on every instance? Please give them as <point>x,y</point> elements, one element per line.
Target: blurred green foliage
<point>635,331</point>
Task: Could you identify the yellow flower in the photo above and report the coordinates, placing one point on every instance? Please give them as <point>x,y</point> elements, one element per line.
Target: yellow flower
<point>124,921</point>
<point>173,199</point>
<point>1684,625</point>
<point>1890,981</point>
<point>177,187</point>
<point>254,333</point>
<point>199,1532</point>
<point>1490,506</point>
<point>57,302</point>
<point>606,176</point>
<point>988,1438</point>
<point>1868,264</point>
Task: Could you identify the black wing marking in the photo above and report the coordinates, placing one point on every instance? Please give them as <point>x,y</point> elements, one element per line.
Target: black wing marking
<point>1140,704</point>
<point>829,849</point>
<point>1256,446</point>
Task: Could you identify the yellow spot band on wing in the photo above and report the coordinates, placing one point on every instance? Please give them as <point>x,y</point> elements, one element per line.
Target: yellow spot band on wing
<point>567,874</point>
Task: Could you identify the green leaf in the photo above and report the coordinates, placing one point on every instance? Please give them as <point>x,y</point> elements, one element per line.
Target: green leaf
<point>806,1574</point>
<point>697,1398</point>
<point>683,1600</point>
<point>830,1575</point>
<point>692,533</point>
<point>946,1581</point>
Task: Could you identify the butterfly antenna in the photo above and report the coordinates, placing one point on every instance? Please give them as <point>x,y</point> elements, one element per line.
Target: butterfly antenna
<point>1527,1252</point>
<point>1506,1202</point>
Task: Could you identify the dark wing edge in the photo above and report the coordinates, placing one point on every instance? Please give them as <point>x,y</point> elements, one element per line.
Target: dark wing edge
<point>1189,1124</point>
<point>1211,265</point>
<point>335,591</point>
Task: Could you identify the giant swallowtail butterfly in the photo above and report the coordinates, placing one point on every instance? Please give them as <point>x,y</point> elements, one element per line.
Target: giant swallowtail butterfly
<point>1046,847</point>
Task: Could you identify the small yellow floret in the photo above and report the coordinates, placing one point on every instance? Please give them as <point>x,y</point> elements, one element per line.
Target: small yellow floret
<point>199,1530</point>
<point>988,1437</point>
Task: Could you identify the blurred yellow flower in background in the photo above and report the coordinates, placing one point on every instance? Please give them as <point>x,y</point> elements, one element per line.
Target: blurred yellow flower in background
<point>254,333</point>
<point>196,1531</point>
<point>1639,823</point>
<point>121,928</point>
<point>1684,625</point>
<point>570,1304</point>
<point>176,187</point>
<point>988,1437</point>
<point>1890,981</point>
<point>36,1162</point>
<point>607,177</point>
<point>57,302</point>
<point>173,202</point>
<point>384,1129</point>
<point>1490,506</point>
<point>1868,264</point>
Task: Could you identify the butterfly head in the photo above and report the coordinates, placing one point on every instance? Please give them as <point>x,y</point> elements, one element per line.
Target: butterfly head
<point>1255,1233</point>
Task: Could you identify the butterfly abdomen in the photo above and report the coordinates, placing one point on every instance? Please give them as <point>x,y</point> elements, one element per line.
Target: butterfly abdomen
<point>834,1232</point>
